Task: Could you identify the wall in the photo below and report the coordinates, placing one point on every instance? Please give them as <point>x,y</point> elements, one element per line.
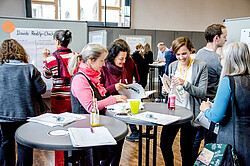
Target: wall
<point>167,37</point>
<point>185,15</point>
<point>12,8</point>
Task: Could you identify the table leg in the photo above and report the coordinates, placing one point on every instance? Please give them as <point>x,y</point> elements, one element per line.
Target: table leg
<point>147,144</point>
<point>154,145</point>
<point>140,146</point>
<point>66,157</point>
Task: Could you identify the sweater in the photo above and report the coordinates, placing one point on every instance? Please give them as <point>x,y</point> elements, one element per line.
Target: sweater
<point>214,68</point>
<point>21,87</point>
<point>197,87</point>
<point>132,71</point>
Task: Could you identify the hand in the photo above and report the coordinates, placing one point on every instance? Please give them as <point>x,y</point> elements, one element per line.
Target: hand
<point>119,86</point>
<point>204,106</point>
<point>164,90</point>
<point>45,53</point>
<point>178,81</point>
<point>120,98</point>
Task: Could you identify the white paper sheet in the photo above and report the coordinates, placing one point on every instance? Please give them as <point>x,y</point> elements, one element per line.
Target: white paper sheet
<point>52,120</point>
<point>83,137</point>
<point>135,91</point>
<point>157,118</point>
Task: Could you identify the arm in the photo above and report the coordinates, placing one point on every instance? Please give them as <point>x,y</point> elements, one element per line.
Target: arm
<point>222,99</point>
<point>47,73</point>
<point>38,81</point>
<point>200,90</point>
<point>81,90</point>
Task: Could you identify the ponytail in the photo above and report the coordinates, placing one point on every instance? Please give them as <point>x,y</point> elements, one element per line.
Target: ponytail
<point>74,63</point>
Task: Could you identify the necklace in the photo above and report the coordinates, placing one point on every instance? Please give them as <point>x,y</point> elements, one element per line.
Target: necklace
<point>186,69</point>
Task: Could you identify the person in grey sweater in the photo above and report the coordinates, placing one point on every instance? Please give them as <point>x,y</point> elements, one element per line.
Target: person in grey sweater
<point>216,36</point>
<point>191,75</point>
<point>21,87</point>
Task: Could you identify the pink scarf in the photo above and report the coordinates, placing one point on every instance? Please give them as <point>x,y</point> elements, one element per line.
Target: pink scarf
<point>94,77</point>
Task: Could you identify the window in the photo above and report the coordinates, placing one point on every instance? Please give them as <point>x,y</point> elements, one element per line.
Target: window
<point>109,13</point>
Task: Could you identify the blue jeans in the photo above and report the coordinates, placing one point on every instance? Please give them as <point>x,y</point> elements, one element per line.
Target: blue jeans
<point>7,148</point>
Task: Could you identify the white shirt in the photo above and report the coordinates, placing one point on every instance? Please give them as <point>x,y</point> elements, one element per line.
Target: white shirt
<point>186,96</point>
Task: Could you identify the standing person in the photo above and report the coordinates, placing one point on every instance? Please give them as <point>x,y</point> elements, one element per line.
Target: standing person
<point>169,58</point>
<point>216,36</point>
<point>85,83</point>
<point>191,75</point>
<point>55,67</point>
<point>149,57</point>
<point>161,52</point>
<point>142,64</point>
<point>236,63</point>
<point>21,88</point>
<point>132,71</point>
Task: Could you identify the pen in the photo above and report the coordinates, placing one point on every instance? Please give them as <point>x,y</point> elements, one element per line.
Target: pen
<point>91,129</point>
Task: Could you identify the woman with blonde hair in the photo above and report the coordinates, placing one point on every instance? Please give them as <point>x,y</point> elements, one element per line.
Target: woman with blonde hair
<point>21,87</point>
<point>85,84</point>
<point>236,64</point>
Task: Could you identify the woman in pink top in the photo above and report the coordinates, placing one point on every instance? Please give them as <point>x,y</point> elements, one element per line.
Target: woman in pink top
<point>87,66</point>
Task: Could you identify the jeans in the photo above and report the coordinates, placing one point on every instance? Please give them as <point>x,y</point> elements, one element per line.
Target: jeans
<point>200,131</point>
<point>7,148</point>
<point>168,135</point>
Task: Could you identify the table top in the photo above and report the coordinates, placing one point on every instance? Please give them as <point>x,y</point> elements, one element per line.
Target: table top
<point>38,136</point>
<point>185,114</point>
<point>156,65</point>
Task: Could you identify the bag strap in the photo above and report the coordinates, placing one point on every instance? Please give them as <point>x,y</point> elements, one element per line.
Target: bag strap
<point>233,104</point>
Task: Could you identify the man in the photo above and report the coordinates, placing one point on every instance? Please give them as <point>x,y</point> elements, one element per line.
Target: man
<point>161,52</point>
<point>216,36</point>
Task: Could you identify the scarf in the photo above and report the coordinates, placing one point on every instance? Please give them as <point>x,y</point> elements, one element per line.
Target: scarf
<point>94,77</point>
<point>62,65</point>
<point>113,69</point>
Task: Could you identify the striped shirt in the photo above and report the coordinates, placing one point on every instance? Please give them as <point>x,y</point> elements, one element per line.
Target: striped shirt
<point>50,70</point>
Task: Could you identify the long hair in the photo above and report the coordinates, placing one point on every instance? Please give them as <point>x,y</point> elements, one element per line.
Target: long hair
<point>125,44</point>
<point>11,49</point>
<point>114,48</point>
<point>91,50</point>
<point>146,48</point>
<point>236,59</point>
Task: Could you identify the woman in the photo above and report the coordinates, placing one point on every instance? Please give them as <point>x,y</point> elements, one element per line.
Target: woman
<point>55,67</point>
<point>191,75</point>
<point>132,71</point>
<point>142,64</point>
<point>21,88</point>
<point>85,83</point>
<point>236,63</point>
<point>113,75</point>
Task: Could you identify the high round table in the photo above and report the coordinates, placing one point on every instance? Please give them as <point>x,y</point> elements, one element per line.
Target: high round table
<point>38,136</point>
<point>185,114</point>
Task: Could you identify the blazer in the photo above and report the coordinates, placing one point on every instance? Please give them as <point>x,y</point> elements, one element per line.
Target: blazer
<point>198,87</point>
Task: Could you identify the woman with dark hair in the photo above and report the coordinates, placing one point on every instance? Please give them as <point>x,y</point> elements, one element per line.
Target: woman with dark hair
<point>113,74</point>
<point>56,67</point>
<point>236,64</point>
<point>21,87</point>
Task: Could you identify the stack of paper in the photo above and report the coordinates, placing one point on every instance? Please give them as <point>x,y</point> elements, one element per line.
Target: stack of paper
<point>157,118</point>
<point>62,119</point>
<point>83,137</point>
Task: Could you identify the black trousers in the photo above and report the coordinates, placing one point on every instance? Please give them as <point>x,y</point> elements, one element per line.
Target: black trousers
<point>7,148</point>
<point>168,135</point>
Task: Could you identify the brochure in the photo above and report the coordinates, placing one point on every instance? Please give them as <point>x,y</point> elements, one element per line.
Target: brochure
<point>135,91</point>
<point>166,82</point>
<point>61,119</point>
<point>85,137</point>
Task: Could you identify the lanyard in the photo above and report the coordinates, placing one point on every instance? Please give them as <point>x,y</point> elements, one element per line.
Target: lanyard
<point>187,68</point>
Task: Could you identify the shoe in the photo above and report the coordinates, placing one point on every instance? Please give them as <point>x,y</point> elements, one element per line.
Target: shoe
<point>134,137</point>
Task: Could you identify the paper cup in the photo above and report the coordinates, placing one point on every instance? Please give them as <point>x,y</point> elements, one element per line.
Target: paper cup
<point>134,105</point>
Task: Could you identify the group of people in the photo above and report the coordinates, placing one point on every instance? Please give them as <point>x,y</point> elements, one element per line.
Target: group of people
<point>101,73</point>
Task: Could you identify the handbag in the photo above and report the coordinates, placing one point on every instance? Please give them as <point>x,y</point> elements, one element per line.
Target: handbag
<point>220,154</point>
